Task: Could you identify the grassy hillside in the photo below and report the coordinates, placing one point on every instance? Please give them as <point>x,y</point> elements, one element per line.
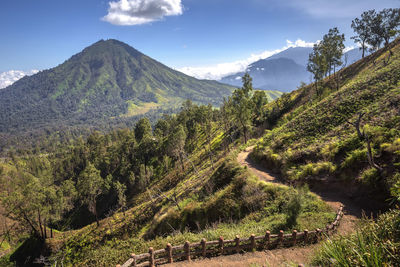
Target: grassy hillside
<point>315,136</point>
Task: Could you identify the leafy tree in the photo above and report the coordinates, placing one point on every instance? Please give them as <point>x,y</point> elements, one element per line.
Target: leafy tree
<point>362,27</point>
<point>147,149</point>
<point>317,64</point>
<point>176,144</point>
<point>142,128</point>
<point>332,47</point>
<point>390,21</point>
<point>376,28</point>
<point>90,186</point>
<point>259,100</point>
<point>241,101</point>
<point>33,201</point>
<point>120,189</point>
<point>226,113</point>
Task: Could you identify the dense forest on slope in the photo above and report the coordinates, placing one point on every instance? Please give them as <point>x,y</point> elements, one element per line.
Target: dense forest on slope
<point>108,85</point>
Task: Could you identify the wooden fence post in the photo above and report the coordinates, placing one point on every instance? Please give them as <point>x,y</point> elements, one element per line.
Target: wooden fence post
<point>294,237</point>
<point>151,258</point>
<point>237,244</point>
<point>221,245</point>
<point>133,256</point>
<point>280,236</point>
<point>305,236</point>
<point>168,250</point>
<point>267,239</point>
<point>187,250</point>
<point>118,265</point>
<point>253,242</point>
<point>203,247</point>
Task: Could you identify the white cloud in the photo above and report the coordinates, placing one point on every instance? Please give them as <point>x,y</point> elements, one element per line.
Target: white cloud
<point>9,77</point>
<point>216,72</point>
<point>135,12</point>
<point>347,49</point>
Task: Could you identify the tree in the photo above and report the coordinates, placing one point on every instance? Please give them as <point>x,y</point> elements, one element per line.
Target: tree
<point>34,201</point>
<point>226,113</point>
<point>362,27</point>
<point>147,149</point>
<point>90,186</point>
<point>317,64</point>
<point>332,47</point>
<point>142,128</point>
<point>120,189</point>
<point>205,117</point>
<point>377,28</point>
<point>241,101</point>
<point>363,136</point>
<point>259,100</point>
<point>390,21</point>
<point>176,144</point>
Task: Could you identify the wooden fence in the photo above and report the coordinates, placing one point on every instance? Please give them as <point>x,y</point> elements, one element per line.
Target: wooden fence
<point>204,248</point>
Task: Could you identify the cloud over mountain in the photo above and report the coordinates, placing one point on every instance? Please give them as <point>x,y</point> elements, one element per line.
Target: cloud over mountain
<point>216,72</point>
<point>9,77</point>
<point>135,12</point>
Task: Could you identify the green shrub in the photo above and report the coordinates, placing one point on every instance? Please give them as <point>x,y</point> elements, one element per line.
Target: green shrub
<point>358,156</point>
<point>395,188</point>
<point>330,150</point>
<point>314,169</point>
<point>370,176</point>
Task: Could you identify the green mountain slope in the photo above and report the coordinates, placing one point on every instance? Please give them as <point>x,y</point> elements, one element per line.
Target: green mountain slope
<point>102,81</point>
<point>107,84</point>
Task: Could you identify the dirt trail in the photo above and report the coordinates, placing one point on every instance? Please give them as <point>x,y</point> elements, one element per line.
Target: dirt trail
<point>328,192</point>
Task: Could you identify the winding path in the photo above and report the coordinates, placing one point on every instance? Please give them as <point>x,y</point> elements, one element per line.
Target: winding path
<point>333,194</point>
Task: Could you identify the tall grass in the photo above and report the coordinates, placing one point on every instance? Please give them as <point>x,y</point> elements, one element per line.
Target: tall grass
<point>373,244</point>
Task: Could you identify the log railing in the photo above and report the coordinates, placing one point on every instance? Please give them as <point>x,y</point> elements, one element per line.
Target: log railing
<point>189,251</point>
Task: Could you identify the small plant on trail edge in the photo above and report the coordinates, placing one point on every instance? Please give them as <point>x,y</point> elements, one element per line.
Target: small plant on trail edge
<point>294,206</point>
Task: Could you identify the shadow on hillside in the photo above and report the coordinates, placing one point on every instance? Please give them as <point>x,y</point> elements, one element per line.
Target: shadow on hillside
<point>357,201</point>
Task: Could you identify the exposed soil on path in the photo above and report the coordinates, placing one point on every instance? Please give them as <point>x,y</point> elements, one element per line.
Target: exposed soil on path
<point>333,194</point>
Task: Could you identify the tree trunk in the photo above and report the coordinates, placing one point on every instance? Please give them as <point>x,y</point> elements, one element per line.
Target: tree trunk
<point>363,49</point>
<point>40,224</point>
<point>45,230</point>
<point>181,161</point>
<point>370,156</point>
<point>245,134</point>
<point>97,220</point>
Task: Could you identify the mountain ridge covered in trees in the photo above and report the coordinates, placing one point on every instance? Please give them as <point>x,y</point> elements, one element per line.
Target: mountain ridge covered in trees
<point>107,85</point>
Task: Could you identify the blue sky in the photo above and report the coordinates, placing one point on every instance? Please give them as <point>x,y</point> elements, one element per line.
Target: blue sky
<point>41,34</point>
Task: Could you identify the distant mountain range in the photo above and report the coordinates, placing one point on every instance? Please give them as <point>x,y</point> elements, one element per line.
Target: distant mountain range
<point>283,71</point>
